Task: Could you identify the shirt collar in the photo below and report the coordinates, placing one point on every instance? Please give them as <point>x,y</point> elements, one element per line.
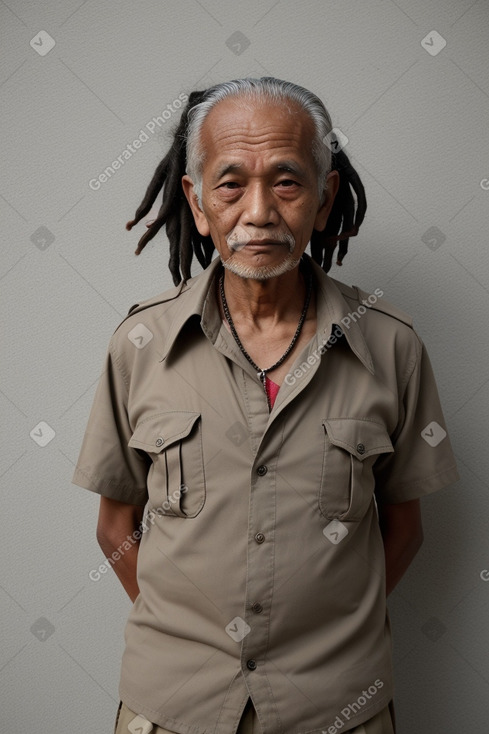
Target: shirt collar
<point>199,300</point>
<point>332,310</point>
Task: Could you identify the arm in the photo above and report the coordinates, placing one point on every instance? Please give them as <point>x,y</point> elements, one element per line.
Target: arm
<point>117,521</point>
<point>402,532</point>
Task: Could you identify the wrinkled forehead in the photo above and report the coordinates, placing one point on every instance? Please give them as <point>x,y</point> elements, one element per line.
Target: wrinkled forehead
<point>243,125</point>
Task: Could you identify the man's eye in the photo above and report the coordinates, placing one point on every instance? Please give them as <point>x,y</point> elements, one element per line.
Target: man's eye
<point>229,185</point>
<point>287,182</point>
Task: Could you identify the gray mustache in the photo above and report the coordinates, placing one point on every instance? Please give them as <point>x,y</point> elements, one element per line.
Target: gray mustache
<point>237,240</point>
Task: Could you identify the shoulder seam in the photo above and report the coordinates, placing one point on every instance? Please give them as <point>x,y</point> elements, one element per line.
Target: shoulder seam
<point>164,297</point>
<point>416,361</point>
<point>386,307</point>
<point>378,304</point>
<point>118,362</point>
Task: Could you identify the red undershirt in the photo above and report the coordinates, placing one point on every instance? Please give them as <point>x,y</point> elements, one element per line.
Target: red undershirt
<point>271,387</point>
<point>272,390</point>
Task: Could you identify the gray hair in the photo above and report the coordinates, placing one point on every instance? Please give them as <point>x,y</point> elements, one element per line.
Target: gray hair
<point>265,88</point>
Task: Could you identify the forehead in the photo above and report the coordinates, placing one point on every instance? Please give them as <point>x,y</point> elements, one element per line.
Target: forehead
<point>254,131</point>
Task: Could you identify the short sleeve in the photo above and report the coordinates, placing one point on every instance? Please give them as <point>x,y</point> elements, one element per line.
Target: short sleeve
<point>106,464</point>
<point>423,460</point>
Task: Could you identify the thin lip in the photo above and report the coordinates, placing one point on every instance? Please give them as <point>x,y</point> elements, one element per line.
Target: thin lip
<point>261,243</point>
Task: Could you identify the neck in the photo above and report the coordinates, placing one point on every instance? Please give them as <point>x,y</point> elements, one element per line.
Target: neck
<point>263,303</point>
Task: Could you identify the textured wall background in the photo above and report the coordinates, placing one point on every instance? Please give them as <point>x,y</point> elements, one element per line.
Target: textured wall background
<point>73,98</point>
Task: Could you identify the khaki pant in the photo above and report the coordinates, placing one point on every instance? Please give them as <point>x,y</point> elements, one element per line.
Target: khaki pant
<point>381,723</point>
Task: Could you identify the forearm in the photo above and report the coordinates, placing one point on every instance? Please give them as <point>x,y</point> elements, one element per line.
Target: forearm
<point>119,526</point>
<point>399,554</point>
<point>123,562</point>
<point>402,534</point>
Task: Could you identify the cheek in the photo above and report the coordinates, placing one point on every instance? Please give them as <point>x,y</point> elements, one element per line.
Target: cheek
<point>302,218</point>
<point>219,228</point>
<point>220,218</point>
<point>214,209</point>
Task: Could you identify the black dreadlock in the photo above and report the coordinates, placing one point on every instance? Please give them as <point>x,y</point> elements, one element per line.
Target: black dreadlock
<point>185,239</point>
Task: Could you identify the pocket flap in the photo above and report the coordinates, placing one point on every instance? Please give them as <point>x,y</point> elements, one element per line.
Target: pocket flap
<point>359,436</point>
<point>156,433</point>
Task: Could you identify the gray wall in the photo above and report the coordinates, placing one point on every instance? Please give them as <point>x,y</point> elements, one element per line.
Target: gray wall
<point>418,135</point>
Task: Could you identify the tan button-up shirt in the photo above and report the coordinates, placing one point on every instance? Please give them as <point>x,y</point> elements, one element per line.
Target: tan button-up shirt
<point>261,563</point>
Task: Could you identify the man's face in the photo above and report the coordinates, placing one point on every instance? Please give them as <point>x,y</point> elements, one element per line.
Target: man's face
<point>260,199</point>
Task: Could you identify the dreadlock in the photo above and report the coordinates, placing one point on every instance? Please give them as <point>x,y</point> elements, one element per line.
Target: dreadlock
<point>174,212</point>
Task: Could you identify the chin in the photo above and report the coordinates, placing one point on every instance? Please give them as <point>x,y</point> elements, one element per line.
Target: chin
<point>260,272</point>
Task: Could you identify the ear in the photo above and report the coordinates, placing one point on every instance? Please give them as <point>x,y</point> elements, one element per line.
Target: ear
<point>330,190</point>
<point>199,216</point>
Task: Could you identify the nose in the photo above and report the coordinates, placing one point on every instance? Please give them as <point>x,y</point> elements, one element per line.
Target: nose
<point>259,206</point>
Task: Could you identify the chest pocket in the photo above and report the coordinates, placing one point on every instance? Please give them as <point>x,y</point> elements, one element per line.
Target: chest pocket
<point>351,447</point>
<point>176,481</point>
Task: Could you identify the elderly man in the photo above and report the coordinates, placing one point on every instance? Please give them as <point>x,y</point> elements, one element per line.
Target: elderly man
<point>278,426</point>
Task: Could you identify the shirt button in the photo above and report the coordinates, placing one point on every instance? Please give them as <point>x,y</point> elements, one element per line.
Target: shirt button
<point>361,448</point>
<point>160,441</point>
<point>259,537</point>
<point>257,608</point>
<point>262,470</point>
<point>251,665</point>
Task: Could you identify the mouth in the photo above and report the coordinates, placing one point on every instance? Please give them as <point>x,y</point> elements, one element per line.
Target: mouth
<point>263,243</point>
<point>240,239</point>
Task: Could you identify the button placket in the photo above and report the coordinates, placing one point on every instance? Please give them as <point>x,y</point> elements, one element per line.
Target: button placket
<point>260,566</point>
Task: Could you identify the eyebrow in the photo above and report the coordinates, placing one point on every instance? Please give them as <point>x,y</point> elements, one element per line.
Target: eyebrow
<point>291,167</point>
<point>288,166</point>
<point>225,169</point>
